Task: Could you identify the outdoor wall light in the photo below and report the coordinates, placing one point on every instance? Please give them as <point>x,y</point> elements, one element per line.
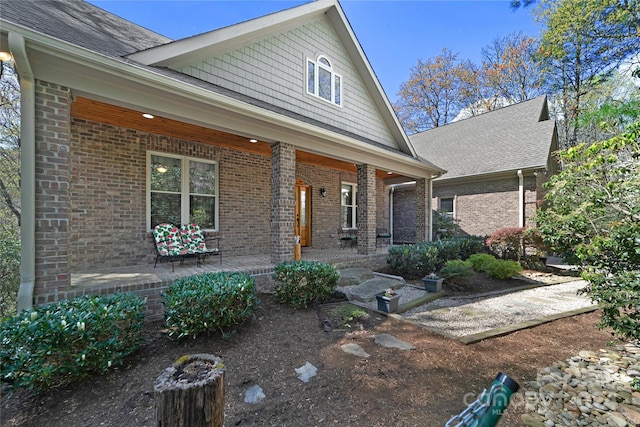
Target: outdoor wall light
<point>323,192</point>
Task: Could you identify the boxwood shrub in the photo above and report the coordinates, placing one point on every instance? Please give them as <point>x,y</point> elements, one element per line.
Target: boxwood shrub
<point>56,344</point>
<point>417,260</point>
<point>207,302</point>
<point>299,283</point>
<point>496,268</point>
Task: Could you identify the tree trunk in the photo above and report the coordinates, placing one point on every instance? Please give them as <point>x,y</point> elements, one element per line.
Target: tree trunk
<point>190,393</point>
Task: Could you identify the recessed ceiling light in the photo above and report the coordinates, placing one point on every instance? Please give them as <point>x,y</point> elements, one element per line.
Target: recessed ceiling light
<point>389,173</point>
<point>147,116</point>
<point>253,141</point>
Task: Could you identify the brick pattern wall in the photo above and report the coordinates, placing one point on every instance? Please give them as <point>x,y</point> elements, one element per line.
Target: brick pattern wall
<point>367,210</point>
<point>485,206</point>
<point>404,215</point>
<point>283,173</point>
<point>52,109</point>
<point>423,214</point>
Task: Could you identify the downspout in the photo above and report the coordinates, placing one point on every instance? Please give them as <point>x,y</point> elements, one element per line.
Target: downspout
<point>430,209</point>
<point>391,191</point>
<point>27,171</point>
<point>520,198</point>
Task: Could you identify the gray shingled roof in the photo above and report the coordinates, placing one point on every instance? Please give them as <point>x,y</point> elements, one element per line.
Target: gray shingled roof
<point>82,24</point>
<point>515,137</point>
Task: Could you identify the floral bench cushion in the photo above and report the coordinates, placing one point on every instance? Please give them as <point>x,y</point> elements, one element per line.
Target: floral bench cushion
<point>193,239</point>
<point>168,240</point>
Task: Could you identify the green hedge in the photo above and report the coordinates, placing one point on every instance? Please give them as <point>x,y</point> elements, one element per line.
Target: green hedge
<point>496,268</point>
<point>207,302</point>
<point>56,344</point>
<point>299,283</point>
<point>416,261</point>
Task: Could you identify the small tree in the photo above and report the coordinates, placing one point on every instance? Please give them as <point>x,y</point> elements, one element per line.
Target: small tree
<point>594,219</point>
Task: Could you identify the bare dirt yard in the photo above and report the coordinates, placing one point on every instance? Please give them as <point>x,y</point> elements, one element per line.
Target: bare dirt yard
<point>425,386</point>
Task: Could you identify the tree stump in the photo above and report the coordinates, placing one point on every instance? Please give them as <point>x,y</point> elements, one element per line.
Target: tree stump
<point>190,393</point>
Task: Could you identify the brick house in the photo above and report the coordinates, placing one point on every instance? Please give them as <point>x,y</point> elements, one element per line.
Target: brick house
<point>260,131</point>
<point>496,165</point>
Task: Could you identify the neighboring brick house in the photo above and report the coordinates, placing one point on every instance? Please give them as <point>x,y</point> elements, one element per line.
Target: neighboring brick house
<point>496,164</point>
<point>259,131</point>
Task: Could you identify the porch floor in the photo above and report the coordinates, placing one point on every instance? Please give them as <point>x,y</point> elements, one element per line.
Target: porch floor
<point>255,265</point>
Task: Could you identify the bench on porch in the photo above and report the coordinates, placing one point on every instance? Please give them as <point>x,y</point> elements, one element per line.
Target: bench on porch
<point>348,237</point>
<point>176,244</point>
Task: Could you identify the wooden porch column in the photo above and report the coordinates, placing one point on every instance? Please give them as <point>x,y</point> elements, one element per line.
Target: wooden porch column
<point>366,212</point>
<point>283,200</point>
<point>423,210</point>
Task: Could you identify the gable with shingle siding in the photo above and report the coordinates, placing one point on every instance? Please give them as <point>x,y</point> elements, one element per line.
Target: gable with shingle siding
<point>273,70</point>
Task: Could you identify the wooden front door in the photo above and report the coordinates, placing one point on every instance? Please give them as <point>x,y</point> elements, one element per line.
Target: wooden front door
<point>302,225</point>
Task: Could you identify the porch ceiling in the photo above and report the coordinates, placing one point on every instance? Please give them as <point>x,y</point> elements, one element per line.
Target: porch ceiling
<point>89,109</point>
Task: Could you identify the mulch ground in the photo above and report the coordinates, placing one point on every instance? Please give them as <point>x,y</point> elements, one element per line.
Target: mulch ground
<point>421,387</point>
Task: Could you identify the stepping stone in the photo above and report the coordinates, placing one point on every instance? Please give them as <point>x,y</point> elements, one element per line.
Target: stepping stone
<point>306,372</point>
<point>354,349</point>
<point>390,341</point>
<point>354,276</point>
<point>367,290</point>
<point>254,394</point>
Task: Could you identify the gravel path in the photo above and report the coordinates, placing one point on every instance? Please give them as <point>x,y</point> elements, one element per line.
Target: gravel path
<point>460,316</point>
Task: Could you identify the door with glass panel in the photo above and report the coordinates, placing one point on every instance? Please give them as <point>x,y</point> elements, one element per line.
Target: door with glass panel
<point>302,223</point>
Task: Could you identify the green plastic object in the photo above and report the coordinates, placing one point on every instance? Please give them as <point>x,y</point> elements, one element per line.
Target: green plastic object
<point>488,408</point>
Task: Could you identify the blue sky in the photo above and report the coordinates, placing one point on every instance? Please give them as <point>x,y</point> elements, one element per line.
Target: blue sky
<point>393,34</point>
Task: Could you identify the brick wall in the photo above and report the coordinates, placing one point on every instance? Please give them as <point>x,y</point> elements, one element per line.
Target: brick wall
<point>485,206</point>
<point>404,215</point>
<point>52,241</point>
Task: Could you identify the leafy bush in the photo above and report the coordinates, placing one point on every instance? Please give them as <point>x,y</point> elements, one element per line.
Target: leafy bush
<point>457,269</point>
<point>415,261</point>
<point>503,269</point>
<point>9,274</point>
<point>56,344</point>
<point>208,301</point>
<point>481,261</point>
<point>593,220</point>
<point>299,283</point>
<point>507,243</point>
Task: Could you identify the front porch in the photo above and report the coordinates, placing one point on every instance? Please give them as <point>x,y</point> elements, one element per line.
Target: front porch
<point>148,282</point>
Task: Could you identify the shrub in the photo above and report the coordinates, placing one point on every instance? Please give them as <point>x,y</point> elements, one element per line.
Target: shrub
<point>299,283</point>
<point>481,261</point>
<point>457,269</point>
<point>9,274</point>
<point>507,243</point>
<point>503,269</point>
<point>415,261</point>
<point>56,344</point>
<point>208,301</point>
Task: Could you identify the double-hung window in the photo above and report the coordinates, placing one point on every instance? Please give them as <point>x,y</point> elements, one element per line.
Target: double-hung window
<point>446,207</point>
<point>323,82</point>
<point>182,190</point>
<point>349,206</point>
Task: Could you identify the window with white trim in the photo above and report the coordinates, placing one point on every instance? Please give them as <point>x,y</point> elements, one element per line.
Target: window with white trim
<point>446,207</point>
<point>182,190</point>
<point>323,82</point>
<point>349,206</point>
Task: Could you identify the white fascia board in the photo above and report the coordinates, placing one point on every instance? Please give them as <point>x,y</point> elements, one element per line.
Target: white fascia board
<point>139,88</point>
<point>186,51</point>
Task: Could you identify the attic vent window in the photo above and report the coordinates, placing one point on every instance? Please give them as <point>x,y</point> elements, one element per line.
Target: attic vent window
<point>323,82</point>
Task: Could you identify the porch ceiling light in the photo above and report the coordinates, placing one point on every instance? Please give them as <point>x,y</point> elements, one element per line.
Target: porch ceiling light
<point>253,140</point>
<point>148,116</point>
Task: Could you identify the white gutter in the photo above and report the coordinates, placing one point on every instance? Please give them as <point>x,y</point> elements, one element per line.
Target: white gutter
<point>520,198</point>
<point>27,171</point>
